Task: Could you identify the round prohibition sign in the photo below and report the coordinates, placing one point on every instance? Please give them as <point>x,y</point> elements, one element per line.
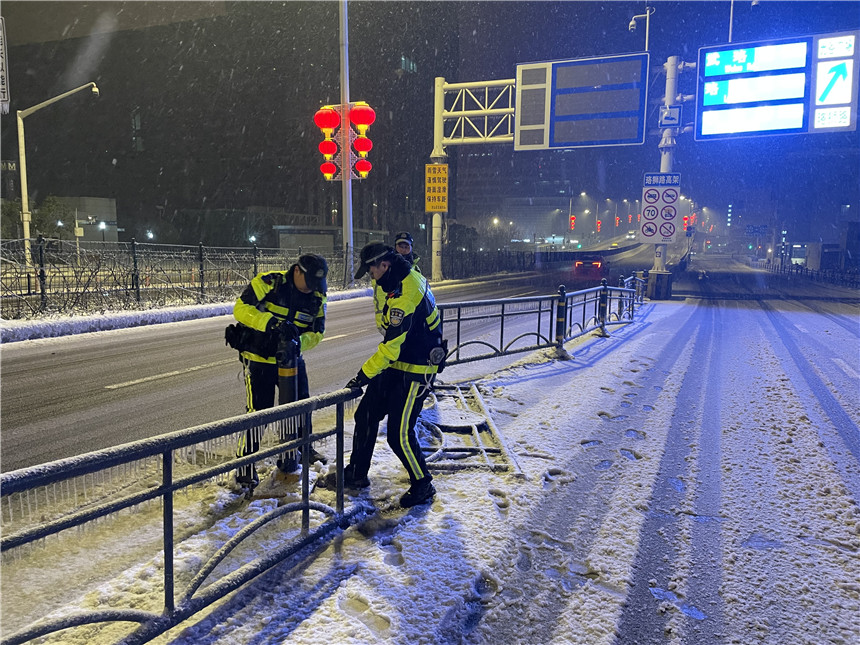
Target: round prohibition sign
<point>649,229</point>
<point>668,212</point>
<point>667,229</point>
<point>651,195</point>
<point>649,212</point>
<point>670,195</point>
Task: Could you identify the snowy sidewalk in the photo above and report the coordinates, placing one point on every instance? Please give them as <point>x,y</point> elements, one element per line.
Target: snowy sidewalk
<point>690,479</point>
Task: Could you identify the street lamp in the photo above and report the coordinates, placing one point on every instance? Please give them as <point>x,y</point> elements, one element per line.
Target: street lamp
<point>22,163</point>
<point>102,227</point>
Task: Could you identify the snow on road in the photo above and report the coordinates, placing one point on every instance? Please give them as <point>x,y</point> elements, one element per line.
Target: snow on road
<point>693,478</point>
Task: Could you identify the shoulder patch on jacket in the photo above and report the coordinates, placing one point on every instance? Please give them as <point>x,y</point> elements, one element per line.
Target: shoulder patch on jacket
<point>395,317</point>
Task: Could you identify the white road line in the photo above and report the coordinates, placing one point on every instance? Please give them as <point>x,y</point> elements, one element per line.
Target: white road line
<point>169,374</point>
<point>156,377</point>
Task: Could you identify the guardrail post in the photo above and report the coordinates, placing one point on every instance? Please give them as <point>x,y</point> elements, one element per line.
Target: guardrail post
<point>602,307</point>
<point>43,293</point>
<point>135,272</point>
<point>256,255</point>
<point>167,527</point>
<point>560,316</point>
<point>200,257</point>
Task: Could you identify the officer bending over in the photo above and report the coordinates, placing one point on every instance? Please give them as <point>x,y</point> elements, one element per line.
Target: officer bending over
<point>398,375</point>
<point>285,308</point>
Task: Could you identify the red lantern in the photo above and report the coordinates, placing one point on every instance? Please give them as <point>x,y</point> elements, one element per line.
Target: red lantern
<point>363,166</point>
<point>362,116</point>
<point>328,148</point>
<point>328,169</point>
<point>327,119</point>
<point>362,145</point>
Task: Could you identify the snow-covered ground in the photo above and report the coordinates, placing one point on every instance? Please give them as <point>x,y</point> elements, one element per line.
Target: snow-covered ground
<point>693,478</point>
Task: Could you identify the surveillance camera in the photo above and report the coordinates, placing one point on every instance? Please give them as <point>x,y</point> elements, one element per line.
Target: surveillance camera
<point>632,25</point>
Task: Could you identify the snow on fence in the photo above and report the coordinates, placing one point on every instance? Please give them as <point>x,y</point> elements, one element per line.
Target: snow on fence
<point>40,502</point>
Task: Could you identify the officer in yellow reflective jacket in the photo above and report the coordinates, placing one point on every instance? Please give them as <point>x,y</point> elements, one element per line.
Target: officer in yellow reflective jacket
<point>279,305</point>
<point>399,374</point>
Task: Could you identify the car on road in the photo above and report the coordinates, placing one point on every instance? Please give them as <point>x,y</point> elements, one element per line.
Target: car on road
<point>590,266</point>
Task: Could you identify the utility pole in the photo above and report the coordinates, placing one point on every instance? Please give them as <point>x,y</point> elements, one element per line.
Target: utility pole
<point>346,181</point>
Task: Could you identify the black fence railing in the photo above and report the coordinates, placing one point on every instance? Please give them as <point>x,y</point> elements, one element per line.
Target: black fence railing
<point>88,277</point>
<point>849,278</point>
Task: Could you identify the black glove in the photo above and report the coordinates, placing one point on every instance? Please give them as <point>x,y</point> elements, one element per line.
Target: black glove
<point>359,380</point>
<point>282,329</point>
<point>288,331</point>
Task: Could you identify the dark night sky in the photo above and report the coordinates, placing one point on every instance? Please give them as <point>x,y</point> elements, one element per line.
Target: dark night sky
<point>226,100</point>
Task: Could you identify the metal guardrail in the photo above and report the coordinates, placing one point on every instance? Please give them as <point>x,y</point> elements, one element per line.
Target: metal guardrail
<point>831,276</point>
<point>89,277</point>
<point>481,325</point>
<point>45,500</point>
<point>81,489</point>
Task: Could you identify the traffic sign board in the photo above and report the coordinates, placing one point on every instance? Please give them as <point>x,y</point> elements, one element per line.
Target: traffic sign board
<point>660,193</point>
<point>582,102</point>
<point>670,116</point>
<point>787,86</point>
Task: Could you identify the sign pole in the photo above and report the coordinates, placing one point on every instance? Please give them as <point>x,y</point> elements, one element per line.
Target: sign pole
<point>667,147</point>
<point>346,173</point>
<point>438,156</point>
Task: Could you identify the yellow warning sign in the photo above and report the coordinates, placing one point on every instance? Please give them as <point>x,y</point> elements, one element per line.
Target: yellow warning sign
<point>436,188</point>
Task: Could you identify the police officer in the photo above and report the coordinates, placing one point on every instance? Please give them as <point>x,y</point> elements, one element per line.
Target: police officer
<point>398,375</point>
<point>279,306</point>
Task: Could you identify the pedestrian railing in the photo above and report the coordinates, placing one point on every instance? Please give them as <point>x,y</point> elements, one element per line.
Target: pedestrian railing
<point>849,278</point>
<point>44,502</point>
<point>482,329</point>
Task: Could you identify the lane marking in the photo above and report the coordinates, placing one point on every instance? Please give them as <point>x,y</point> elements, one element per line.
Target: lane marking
<point>169,374</point>
<point>156,377</point>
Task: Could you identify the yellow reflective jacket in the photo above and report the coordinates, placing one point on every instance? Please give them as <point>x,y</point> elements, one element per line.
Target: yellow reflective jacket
<point>271,298</point>
<point>411,322</point>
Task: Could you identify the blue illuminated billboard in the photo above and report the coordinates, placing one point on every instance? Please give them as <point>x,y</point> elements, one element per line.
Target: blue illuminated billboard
<point>792,86</point>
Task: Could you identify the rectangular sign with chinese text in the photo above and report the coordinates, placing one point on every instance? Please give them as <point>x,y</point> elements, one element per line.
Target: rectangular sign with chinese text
<point>661,193</point>
<point>790,86</point>
<point>436,188</point>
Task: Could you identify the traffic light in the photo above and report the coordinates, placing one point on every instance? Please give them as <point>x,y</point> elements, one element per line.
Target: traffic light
<point>572,222</point>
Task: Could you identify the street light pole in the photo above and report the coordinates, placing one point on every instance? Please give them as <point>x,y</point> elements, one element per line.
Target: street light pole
<point>22,163</point>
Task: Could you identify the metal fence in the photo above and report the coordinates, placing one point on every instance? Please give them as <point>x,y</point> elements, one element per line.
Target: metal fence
<point>481,329</point>
<point>44,501</point>
<point>850,278</point>
<point>89,277</point>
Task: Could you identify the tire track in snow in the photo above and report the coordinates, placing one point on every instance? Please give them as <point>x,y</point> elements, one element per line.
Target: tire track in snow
<point>648,616</point>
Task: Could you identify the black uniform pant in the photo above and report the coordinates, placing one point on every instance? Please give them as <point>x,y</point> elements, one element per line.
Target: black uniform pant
<point>261,380</point>
<point>390,394</point>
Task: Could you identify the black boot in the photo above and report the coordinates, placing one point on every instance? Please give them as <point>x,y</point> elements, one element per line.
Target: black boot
<point>420,492</point>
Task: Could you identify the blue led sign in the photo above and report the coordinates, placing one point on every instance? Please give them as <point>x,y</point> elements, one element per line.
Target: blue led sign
<point>806,84</point>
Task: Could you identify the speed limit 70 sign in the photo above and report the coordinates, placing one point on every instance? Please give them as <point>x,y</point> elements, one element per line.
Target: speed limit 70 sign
<point>661,193</point>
